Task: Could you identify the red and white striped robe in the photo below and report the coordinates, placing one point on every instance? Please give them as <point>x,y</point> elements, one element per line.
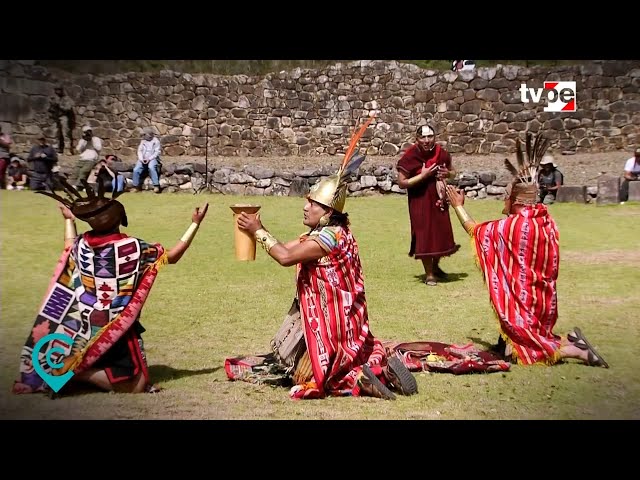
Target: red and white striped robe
<point>519,257</point>
<point>333,308</point>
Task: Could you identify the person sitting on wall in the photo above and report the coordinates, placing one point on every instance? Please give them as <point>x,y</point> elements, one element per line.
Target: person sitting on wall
<point>105,172</point>
<point>148,158</point>
<point>16,175</point>
<point>550,179</point>
<point>631,174</point>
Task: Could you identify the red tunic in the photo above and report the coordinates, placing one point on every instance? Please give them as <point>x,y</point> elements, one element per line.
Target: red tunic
<point>431,231</point>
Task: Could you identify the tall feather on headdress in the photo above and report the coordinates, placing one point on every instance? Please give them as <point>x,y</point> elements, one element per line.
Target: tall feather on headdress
<point>352,160</point>
<point>527,170</point>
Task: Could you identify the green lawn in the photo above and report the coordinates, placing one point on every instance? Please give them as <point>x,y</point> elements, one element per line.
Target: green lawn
<point>209,307</point>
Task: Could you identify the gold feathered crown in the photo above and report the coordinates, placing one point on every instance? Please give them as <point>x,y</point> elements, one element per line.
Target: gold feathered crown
<point>332,191</point>
<point>100,212</point>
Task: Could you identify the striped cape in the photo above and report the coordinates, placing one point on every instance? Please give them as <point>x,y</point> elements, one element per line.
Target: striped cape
<point>519,257</point>
<point>333,308</point>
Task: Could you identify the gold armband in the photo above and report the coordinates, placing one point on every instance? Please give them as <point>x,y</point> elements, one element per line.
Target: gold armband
<point>69,229</point>
<point>464,217</point>
<point>190,233</point>
<point>265,239</point>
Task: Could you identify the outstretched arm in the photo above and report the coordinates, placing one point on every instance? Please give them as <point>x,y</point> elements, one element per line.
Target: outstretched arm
<point>175,254</point>
<point>286,254</point>
<point>70,232</point>
<point>456,199</point>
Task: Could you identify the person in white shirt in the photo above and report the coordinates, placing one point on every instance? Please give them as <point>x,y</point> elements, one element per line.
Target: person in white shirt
<point>631,174</point>
<point>148,157</point>
<point>89,147</point>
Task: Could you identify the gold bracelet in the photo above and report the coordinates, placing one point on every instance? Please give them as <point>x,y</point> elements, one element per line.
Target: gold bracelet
<point>190,233</point>
<point>463,216</point>
<point>265,239</point>
<point>69,229</point>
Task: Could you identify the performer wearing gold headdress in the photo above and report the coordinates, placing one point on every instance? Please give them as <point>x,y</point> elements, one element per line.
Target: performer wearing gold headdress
<point>326,343</point>
<point>519,257</point>
<point>95,298</point>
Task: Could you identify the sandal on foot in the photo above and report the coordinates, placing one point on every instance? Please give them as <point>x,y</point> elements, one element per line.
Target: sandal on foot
<point>440,273</point>
<point>152,389</point>
<point>431,281</point>
<point>372,386</point>
<point>400,377</point>
<point>594,359</point>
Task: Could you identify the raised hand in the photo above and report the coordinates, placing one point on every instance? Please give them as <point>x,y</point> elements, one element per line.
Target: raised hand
<point>198,215</point>
<point>66,213</point>
<point>455,196</point>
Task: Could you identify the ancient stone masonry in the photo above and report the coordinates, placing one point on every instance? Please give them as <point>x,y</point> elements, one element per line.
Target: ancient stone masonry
<point>313,112</point>
<point>254,180</point>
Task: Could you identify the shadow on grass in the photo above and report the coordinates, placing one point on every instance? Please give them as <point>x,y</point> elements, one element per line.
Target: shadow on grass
<point>157,374</point>
<point>162,373</point>
<point>451,277</point>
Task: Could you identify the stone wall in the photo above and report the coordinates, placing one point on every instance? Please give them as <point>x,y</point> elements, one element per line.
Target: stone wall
<point>312,112</point>
<point>254,180</point>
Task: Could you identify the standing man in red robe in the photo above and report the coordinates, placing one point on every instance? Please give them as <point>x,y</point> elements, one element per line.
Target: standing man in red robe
<point>422,171</point>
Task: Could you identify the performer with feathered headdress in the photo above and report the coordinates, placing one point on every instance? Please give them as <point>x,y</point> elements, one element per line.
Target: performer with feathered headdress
<point>95,298</point>
<point>325,346</point>
<point>519,257</point>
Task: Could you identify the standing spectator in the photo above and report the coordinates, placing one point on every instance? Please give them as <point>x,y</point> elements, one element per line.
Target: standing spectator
<point>61,110</point>
<point>631,174</point>
<point>149,158</point>
<point>16,175</point>
<point>5,149</point>
<point>42,158</point>
<point>89,147</point>
<point>419,170</point>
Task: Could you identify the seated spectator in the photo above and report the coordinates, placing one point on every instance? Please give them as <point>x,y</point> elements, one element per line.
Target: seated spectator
<point>16,175</point>
<point>550,179</point>
<point>105,172</point>
<point>631,174</point>
<point>148,158</point>
<point>42,158</point>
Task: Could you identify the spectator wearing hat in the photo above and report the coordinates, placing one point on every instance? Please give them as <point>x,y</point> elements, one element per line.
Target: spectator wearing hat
<point>16,175</point>
<point>42,158</point>
<point>631,174</point>
<point>61,110</point>
<point>549,180</point>
<point>89,147</point>
<point>148,158</point>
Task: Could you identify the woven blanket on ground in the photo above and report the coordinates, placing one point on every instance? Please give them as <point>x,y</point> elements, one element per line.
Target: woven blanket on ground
<point>446,358</point>
<point>95,295</point>
<point>519,257</point>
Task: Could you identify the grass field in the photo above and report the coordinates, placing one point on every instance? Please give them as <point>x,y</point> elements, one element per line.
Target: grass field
<point>209,307</point>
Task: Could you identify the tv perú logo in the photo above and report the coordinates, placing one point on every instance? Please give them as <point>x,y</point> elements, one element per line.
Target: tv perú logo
<point>561,96</point>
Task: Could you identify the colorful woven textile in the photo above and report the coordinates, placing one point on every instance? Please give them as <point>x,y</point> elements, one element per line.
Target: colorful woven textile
<point>96,294</point>
<point>519,257</point>
<point>445,358</point>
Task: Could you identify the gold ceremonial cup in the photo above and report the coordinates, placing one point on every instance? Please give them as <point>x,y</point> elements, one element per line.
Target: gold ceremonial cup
<point>245,244</point>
